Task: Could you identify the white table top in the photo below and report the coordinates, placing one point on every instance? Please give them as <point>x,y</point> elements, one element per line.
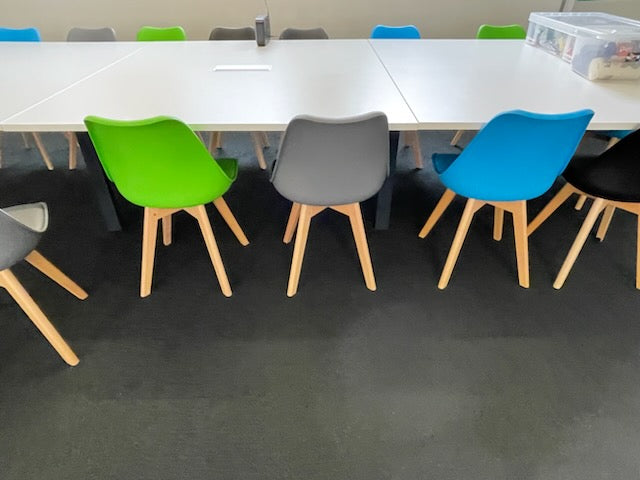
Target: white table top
<point>461,84</point>
<point>33,71</point>
<point>335,78</point>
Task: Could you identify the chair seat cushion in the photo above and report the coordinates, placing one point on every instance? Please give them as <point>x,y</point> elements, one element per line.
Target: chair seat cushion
<point>613,178</point>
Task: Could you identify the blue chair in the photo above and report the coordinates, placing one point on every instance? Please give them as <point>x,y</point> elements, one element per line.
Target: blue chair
<point>405,32</point>
<point>25,35</point>
<point>387,31</point>
<point>516,157</point>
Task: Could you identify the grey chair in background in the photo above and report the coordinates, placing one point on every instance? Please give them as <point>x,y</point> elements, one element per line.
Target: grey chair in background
<point>21,227</point>
<point>260,139</point>
<point>335,164</point>
<point>317,33</point>
<point>79,34</point>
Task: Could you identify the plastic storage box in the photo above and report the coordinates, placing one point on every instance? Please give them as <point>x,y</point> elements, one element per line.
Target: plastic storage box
<point>599,46</point>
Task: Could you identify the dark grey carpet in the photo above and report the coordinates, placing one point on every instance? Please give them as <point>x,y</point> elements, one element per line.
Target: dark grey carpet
<point>484,380</point>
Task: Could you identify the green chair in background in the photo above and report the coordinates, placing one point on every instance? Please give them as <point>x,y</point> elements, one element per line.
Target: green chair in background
<point>159,164</point>
<point>494,32</point>
<point>159,34</point>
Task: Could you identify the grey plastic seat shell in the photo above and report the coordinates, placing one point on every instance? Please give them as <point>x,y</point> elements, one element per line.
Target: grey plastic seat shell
<point>21,227</point>
<point>79,34</point>
<point>317,33</point>
<point>325,161</point>
<point>229,33</point>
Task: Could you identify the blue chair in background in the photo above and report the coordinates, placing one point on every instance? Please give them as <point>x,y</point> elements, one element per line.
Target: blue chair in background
<point>25,35</point>
<point>516,157</point>
<point>395,32</point>
<point>405,32</point>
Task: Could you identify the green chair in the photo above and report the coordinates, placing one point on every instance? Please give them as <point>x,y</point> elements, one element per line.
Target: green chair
<point>159,164</point>
<point>158,34</point>
<point>501,32</point>
<point>494,32</point>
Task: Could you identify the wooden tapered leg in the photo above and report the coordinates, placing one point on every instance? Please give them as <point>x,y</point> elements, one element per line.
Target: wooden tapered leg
<point>306,212</point>
<point>441,206</point>
<point>498,223</point>
<point>224,210</point>
<point>578,243</point>
<point>522,244</point>
<point>605,222</point>
<point>25,140</point>
<point>149,235</point>
<point>43,151</point>
<point>413,138</point>
<point>213,141</point>
<point>456,138</point>
<point>39,319</point>
<point>470,208</point>
<point>292,223</point>
<point>257,146</point>
<point>360,237</point>
<point>560,197</point>
<point>73,150</point>
<point>200,214</point>
<point>580,202</point>
<point>219,140</point>
<point>36,259</point>
<point>166,230</point>
<point>612,142</point>
<point>265,139</point>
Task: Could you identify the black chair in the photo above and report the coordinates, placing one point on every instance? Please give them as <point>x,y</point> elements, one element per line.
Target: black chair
<point>612,179</point>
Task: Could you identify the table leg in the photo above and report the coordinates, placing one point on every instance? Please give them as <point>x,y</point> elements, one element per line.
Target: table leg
<point>99,183</point>
<point>383,205</point>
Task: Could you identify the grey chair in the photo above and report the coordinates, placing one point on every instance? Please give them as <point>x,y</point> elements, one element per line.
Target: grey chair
<point>317,33</point>
<point>260,139</point>
<point>21,227</point>
<point>80,34</point>
<point>331,163</point>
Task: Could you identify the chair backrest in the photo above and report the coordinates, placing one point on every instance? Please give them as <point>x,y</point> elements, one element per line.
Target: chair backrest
<point>317,33</point>
<point>332,161</point>
<point>19,34</point>
<point>161,34</point>
<point>79,34</point>
<point>228,33</point>
<point>21,227</point>
<point>388,31</point>
<point>498,32</point>
<point>157,162</point>
<point>517,155</point>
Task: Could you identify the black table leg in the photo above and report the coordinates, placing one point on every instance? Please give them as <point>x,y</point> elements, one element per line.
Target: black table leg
<point>99,183</point>
<point>383,206</point>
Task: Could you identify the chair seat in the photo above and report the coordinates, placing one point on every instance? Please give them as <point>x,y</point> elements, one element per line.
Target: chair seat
<point>606,179</point>
<point>442,161</point>
<point>33,215</point>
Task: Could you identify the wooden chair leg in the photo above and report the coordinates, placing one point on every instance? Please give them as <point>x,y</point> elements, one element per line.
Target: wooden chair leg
<point>469,210</point>
<point>25,140</point>
<point>39,319</point>
<point>149,235</point>
<point>413,139</point>
<point>292,223</point>
<point>360,237</point>
<point>228,217</point>
<point>560,197</point>
<point>441,206</point>
<point>298,251</point>
<point>612,142</point>
<point>265,139</point>
<point>43,151</point>
<point>522,245</point>
<point>73,150</point>
<point>605,222</point>
<point>498,223</point>
<point>214,141</point>
<point>36,259</point>
<point>456,138</point>
<point>200,214</point>
<point>578,243</point>
<point>580,202</point>
<point>166,230</point>
<point>257,146</point>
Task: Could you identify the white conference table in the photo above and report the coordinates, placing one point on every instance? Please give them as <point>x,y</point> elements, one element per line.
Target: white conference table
<point>462,84</point>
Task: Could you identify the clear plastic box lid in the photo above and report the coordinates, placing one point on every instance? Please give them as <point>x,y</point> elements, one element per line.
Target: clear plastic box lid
<point>594,24</point>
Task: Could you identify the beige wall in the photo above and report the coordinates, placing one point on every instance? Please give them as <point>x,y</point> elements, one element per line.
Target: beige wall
<point>341,18</point>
